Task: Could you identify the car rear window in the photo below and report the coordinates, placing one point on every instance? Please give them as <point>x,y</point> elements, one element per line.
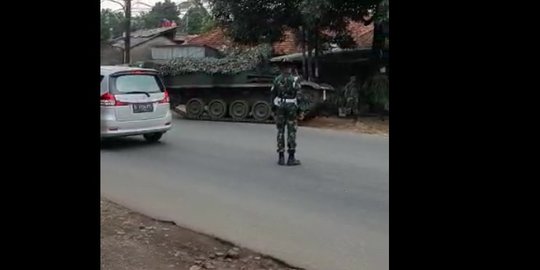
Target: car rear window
<point>137,83</point>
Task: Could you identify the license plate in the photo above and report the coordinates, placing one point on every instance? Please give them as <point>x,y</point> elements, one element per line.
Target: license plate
<point>143,107</point>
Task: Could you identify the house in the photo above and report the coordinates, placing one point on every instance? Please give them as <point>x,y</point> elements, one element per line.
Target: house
<point>111,55</point>
<point>361,34</point>
<point>219,40</point>
<point>335,66</point>
<point>182,37</point>
<point>215,38</point>
<point>167,52</point>
<point>141,43</point>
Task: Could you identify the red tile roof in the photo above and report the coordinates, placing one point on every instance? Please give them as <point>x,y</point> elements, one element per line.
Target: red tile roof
<point>362,35</point>
<point>215,38</point>
<point>287,45</point>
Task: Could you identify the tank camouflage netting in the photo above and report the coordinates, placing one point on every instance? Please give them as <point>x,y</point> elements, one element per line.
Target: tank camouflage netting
<point>236,60</point>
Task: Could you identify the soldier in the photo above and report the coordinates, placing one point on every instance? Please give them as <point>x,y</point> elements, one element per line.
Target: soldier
<point>351,96</point>
<point>285,99</point>
<point>339,100</point>
<point>377,89</point>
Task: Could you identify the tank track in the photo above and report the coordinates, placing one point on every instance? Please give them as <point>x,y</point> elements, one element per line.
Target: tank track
<point>206,117</point>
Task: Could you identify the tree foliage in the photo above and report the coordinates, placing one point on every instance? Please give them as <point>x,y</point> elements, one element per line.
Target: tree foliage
<point>111,20</point>
<point>161,10</point>
<point>186,5</point>
<point>377,88</point>
<point>250,21</point>
<point>138,22</point>
<point>145,20</point>
<point>197,20</point>
<point>256,21</point>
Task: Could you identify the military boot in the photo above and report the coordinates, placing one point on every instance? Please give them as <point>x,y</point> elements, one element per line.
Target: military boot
<point>281,160</point>
<point>292,161</point>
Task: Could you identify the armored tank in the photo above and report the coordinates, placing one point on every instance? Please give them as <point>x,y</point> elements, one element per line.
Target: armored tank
<point>231,87</point>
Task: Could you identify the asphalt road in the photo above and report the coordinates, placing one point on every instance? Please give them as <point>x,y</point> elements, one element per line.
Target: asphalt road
<point>222,179</point>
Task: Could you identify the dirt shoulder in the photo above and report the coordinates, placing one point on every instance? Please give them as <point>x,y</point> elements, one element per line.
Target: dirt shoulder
<point>366,125</point>
<point>132,241</point>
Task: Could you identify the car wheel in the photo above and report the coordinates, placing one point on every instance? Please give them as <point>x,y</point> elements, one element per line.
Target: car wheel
<point>152,137</point>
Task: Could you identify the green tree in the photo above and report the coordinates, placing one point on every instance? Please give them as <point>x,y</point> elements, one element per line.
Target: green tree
<point>138,22</point>
<point>197,20</point>
<point>251,20</point>
<point>208,24</point>
<point>111,20</point>
<point>186,5</point>
<point>381,20</point>
<point>255,21</point>
<point>161,10</point>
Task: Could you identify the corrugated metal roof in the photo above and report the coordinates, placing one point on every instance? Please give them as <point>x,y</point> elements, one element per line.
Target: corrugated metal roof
<point>141,36</point>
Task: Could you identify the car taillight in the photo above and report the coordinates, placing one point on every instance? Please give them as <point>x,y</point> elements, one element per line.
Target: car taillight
<point>108,99</point>
<point>165,98</point>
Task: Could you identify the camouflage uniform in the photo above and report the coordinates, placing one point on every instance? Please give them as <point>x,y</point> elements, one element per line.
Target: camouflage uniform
<point>351,96</point>
<point>377,89</point>
<point>285,94</point>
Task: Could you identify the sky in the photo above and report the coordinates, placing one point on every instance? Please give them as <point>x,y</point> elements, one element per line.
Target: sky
<point>136,7</point>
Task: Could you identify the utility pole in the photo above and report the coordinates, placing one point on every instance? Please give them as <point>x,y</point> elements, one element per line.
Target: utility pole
<point>187,23</point>
<point>126,7</point>
<point>127,43</point>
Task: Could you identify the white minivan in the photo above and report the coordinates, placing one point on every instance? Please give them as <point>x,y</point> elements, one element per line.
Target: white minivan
<point>134,101</point>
